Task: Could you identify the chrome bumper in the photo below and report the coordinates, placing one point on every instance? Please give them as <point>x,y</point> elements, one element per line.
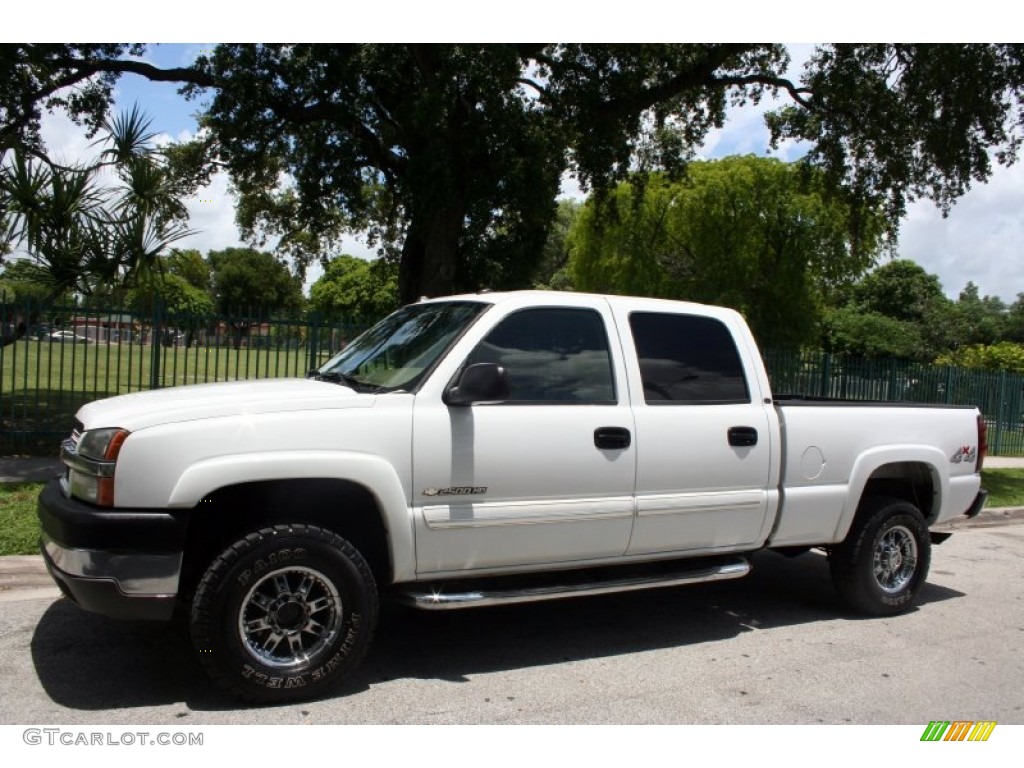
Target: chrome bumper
<point>134,574</point>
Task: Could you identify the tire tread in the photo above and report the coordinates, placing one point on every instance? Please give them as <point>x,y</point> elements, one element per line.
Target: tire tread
<point>204,619</point>
<point>851,561</point>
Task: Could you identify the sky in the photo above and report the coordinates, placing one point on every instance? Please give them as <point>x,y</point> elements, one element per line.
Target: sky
<point>980,241</point>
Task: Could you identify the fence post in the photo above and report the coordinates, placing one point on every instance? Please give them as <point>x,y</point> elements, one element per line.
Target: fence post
<point>154,346</point>
<point>826,375</point>
<point>314,342</point>
<point>1000,415</point>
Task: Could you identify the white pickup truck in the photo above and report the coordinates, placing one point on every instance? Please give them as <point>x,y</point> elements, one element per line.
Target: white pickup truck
<point>484,449</point>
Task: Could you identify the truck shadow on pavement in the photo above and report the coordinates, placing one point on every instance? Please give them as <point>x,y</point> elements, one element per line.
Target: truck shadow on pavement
<point>88,662</point>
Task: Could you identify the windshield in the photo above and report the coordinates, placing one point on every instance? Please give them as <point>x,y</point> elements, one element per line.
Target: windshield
<point>399,350</point>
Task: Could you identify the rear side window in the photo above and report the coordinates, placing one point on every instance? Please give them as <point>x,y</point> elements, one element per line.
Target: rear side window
<point>687,359</point>
<point>551,356</point>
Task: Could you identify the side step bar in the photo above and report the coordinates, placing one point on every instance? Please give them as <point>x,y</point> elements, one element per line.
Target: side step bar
<point>455,595</point>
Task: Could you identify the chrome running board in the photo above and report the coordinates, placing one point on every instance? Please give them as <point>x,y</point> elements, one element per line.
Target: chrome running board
<point>459,594</point>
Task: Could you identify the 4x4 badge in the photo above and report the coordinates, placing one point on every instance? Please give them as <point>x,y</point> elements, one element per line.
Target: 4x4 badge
<point>966,453</point>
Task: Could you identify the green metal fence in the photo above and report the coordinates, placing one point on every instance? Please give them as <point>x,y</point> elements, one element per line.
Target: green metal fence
<point>65,357</point>
<point>999,395</point>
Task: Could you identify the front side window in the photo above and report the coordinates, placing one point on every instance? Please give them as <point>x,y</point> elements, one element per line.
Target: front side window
<point>551,355</point>
<point>687,359</point>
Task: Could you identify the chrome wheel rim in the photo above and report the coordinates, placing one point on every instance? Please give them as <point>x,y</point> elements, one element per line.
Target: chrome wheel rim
<point>895,559</point>
<point>289,617</point>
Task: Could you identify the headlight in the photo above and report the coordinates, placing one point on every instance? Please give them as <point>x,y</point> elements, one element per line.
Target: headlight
<point>91,464</point>
<point>102,444</point>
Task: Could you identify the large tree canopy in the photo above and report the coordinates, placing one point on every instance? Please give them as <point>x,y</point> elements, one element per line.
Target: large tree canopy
<point>756,234</point>
<point>450,156</point>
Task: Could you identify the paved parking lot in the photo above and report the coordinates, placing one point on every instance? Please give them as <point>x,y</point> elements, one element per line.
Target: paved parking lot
<point>773,648</point>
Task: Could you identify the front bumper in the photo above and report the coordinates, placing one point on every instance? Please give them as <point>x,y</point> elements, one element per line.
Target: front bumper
<point>122,563</point>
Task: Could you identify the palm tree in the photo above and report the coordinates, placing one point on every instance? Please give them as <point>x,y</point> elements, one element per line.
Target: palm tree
<point>87,233</point>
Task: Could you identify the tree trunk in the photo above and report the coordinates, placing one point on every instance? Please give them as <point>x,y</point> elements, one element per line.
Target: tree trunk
<point>430,254</point>
<point>18,333</point>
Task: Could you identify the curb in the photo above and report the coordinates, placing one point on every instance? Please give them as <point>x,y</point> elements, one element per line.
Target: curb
<point>29,470</point>
<point>24,577</point>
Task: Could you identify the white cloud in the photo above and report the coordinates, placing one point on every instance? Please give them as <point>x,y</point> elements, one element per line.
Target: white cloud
<point>65,141</point>
<point>982,239</point>
<point>212,217</point>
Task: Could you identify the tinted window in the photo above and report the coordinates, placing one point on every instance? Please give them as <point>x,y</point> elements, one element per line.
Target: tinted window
<point>687,359</point>
<point>551,355</point>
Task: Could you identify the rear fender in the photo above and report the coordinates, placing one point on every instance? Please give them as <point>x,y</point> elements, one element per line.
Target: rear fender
<point>869,462</point>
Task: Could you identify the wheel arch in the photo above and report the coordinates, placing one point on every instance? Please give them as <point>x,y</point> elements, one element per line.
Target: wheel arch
<point>359,498</point>
<point>916,474</point>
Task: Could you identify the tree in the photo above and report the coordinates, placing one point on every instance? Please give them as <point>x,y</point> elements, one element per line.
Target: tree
<point>852,331</point>
<point>896,310</point>
<point>1002,356</point>
<point>355,289</point>
<point>553,271</point>
<point>756,234</point>
<point>435,150</point>
<point>980,320</point>
<point>450,155</point>
<point>85,234</point>
<point>249,285</point>
<point>25,280</point>
<point>247,280</point>
<point>896,122</point>
<point>1015,320</point>
<point>900,289</point>
<point>190,266</point>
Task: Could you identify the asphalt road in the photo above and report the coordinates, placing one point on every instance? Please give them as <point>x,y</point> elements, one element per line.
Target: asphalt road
<point>772,648</point>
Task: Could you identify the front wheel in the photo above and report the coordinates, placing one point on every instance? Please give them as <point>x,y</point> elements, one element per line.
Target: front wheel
<point>284,613</point>
<point>883,563</point>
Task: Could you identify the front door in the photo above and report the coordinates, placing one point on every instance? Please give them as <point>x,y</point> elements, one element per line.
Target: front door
<point>543,476</point>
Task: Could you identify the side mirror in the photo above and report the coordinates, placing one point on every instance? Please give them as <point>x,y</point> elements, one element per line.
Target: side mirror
<point>479,382</point>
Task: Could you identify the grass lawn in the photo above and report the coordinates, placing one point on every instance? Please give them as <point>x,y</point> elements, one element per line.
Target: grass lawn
<point>1005,487</point>
<point>119,368</point>
<point>19,530</point>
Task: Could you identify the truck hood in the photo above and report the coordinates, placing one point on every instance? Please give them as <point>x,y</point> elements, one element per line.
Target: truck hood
<point>205,401</point>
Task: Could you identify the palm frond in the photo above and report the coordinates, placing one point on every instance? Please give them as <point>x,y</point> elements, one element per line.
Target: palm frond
<point>128,135</point>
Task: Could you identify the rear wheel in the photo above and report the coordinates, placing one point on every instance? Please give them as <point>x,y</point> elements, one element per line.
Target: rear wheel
<point>284,613</point>
<point>883,563</point>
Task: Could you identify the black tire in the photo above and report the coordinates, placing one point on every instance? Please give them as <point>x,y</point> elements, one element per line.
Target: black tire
<point>284,614</point>
<point>884,561</point>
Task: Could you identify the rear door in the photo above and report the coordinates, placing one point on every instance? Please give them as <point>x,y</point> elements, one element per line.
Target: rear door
<point>704,438</point>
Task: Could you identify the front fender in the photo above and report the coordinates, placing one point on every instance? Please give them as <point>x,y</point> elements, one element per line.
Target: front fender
<point>202,478</point>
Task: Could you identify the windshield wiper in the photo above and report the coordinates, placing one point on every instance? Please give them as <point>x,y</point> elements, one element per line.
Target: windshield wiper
<point>343,378</point>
